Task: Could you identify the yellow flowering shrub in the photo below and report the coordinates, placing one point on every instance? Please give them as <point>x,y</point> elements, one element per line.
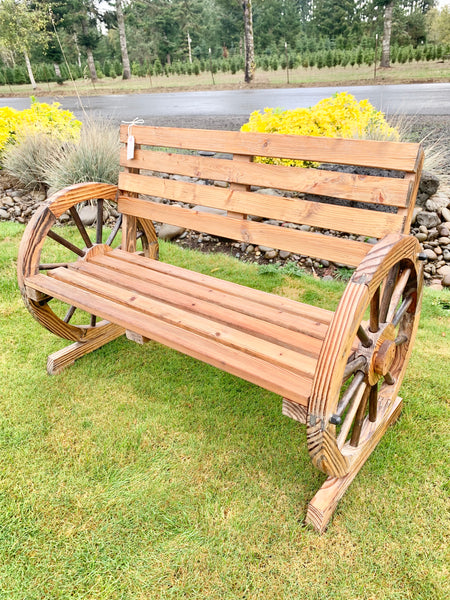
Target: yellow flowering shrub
<point>341,115</point>
<point>39,118</point>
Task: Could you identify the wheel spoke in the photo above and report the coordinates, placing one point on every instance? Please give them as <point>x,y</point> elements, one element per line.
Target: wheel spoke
<point>359,418</point>
<point>80,226</point>
<point>374,323</point>
<point>49,266</point>
<point>401,339</point>
<point>373,403</point>
<point>363,337</point>
<point>60,240</point>
<point>402,310</point>
<point>99,230</point>
<point>349,417</point>
<point>347,397</point>
<point>353,366</point>
<point>387,292</point>
<point>114,232</point>
<point>69,314</point>
<point>397,293</point>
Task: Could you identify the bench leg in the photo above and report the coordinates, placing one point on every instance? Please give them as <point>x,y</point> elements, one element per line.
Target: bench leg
<point>65,357</point>
<point>324,503</point>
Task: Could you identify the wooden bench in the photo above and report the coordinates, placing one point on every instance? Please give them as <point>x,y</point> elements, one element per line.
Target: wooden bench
<point>337,372</point>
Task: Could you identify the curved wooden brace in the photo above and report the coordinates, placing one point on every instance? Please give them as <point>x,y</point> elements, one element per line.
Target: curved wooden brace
<point>321,434</point>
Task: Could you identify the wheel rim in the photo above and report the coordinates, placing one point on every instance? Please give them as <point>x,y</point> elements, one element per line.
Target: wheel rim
<point>49,246</point>
<point>376,363</point>
<point>359,371</point>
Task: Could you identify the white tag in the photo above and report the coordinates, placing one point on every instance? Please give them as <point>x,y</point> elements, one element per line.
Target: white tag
<point>130,147</point>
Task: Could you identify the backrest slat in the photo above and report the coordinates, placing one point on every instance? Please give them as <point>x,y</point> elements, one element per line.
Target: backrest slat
<point>349,252</point>
<point>347,186</point>
<point>176,175</point>
<point>366,153</point>
<point>291,210</point>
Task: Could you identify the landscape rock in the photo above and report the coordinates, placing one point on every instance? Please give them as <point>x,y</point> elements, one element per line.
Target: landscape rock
<point>211,211</point>
<point>429,184</point>
<point>445,213</point>
<point>437,202</point>
<point>443,271</point>
<point>169,232</point>
<point>416,211</point>
<point>430,254</point>
<point>87,214</point>
<point>428,219</point>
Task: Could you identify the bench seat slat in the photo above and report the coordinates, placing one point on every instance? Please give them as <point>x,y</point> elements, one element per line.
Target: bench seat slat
<point>180,298</point>
<point>347,186</point>
<point>194,296</point>
<point>241,292</point>
<point>294,210</point>
<point>339,250</point>
<point>275,378</point>
<point>369,153</point>
<point>211,327</point>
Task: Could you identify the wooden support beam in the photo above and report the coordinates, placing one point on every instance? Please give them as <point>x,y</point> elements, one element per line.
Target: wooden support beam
<point>324,503</point>
<point>295,411</point>
<point>65,357</point>
<point>136,337</point>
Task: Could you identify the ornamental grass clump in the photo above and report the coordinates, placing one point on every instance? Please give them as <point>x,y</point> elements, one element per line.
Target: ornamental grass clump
<point>341,115</point>
<point>94,157</point>
<point>28,159</point>
<point>39,159</point>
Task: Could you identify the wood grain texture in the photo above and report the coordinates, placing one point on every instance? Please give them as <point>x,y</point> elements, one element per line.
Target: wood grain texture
<point>61,201</point>
<point>292,349</point>
<point>365,282</point>
<point>359,188</point>
<point>60,360</point>
<point>256,370</point>
<point>369,153</point>
<point>238,314</point>
<point>208,322</point>
<point>295,411</point>
<point>291,210</point>
<point>29,258</point>
<point>324,503</point>
<point>344,251</point>
<point>292,308</point>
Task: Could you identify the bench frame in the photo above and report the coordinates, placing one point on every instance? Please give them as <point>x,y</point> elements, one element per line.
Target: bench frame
<point>343,427</point>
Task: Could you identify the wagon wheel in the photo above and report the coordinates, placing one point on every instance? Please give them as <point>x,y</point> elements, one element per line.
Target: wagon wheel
<point>364,357</point>
<point>46,246</point>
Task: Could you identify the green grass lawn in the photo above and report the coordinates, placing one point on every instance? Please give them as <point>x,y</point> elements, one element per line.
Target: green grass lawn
<point>140,473</point>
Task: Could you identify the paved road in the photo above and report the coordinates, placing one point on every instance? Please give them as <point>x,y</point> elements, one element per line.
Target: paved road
<point>410,99</point>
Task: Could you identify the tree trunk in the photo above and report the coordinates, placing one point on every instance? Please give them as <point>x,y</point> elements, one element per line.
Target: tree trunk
<point>89,54</point>
<point>30,70</point>
<point>123,41</point>
<point>248,39</point>
<point>91,65</point>
<point>57,70</point>
<point>78,50</point>
<point>386,44</point>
